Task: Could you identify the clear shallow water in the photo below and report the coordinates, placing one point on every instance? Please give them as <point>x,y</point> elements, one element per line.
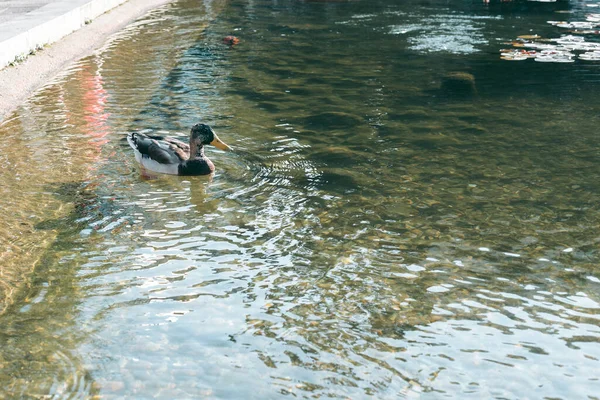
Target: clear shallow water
<point>372,235</point>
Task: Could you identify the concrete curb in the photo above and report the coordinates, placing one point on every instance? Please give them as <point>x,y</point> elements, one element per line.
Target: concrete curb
<point>49,24</point>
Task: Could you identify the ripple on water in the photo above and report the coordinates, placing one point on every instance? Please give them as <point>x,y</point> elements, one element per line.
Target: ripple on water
<point>365,238</point>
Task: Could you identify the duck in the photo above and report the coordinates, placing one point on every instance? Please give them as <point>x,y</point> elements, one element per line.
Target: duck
<point>167,155</point>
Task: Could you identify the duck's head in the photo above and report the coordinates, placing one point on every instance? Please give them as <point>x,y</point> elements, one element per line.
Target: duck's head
<point>203,134</point>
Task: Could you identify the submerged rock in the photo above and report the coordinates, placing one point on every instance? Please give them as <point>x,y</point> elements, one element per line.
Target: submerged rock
<point>332,120</point>
<point>460,84</point>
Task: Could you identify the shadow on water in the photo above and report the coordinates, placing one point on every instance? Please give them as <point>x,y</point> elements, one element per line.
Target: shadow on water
<point>41,332</point>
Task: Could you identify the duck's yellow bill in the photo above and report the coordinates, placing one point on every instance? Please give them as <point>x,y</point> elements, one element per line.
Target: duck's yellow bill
<point>219,144</point>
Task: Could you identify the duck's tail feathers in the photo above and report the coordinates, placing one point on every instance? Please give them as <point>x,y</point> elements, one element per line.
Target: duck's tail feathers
<point>132,140</point>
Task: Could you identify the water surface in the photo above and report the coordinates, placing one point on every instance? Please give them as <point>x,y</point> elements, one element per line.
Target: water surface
<point>372,235</point>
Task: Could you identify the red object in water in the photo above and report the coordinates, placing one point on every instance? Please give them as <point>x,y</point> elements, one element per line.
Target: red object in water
<point>231,40</point>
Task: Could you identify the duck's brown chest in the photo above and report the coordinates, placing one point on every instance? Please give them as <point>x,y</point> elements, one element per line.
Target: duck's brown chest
<point>197,166</point>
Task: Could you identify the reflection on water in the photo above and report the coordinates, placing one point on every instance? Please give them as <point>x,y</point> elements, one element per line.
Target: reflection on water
<point>372,234</point>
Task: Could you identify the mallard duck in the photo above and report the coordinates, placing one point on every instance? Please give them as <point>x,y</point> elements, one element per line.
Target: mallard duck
<point>168,155</point>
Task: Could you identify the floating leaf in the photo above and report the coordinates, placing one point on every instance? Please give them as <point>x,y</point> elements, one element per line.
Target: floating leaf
<point>541,46</point>
<point>593,18</point>
<point>590,56</point>
<point>569,39</point>
<point>529,37</point>
<point>517,55</point>
<point>554,59</point>
<point>558,50</point>
<point>585,32</point>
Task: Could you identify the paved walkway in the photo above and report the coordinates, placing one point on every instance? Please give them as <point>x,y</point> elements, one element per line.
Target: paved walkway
<point>10,10</point>
<point>26,25</point>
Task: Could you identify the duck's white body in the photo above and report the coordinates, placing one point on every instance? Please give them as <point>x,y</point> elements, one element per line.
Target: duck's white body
<point>152,165</point>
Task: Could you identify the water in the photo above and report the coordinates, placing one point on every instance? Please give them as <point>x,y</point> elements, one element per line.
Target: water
<point>373,235</point>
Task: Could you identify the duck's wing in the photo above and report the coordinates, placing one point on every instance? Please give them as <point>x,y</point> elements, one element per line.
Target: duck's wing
<point>178,143</point>
<point>155,148</point>
<point>182,149</point>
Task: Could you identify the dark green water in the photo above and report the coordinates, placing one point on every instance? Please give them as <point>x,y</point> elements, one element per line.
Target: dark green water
<point>372,235</point>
